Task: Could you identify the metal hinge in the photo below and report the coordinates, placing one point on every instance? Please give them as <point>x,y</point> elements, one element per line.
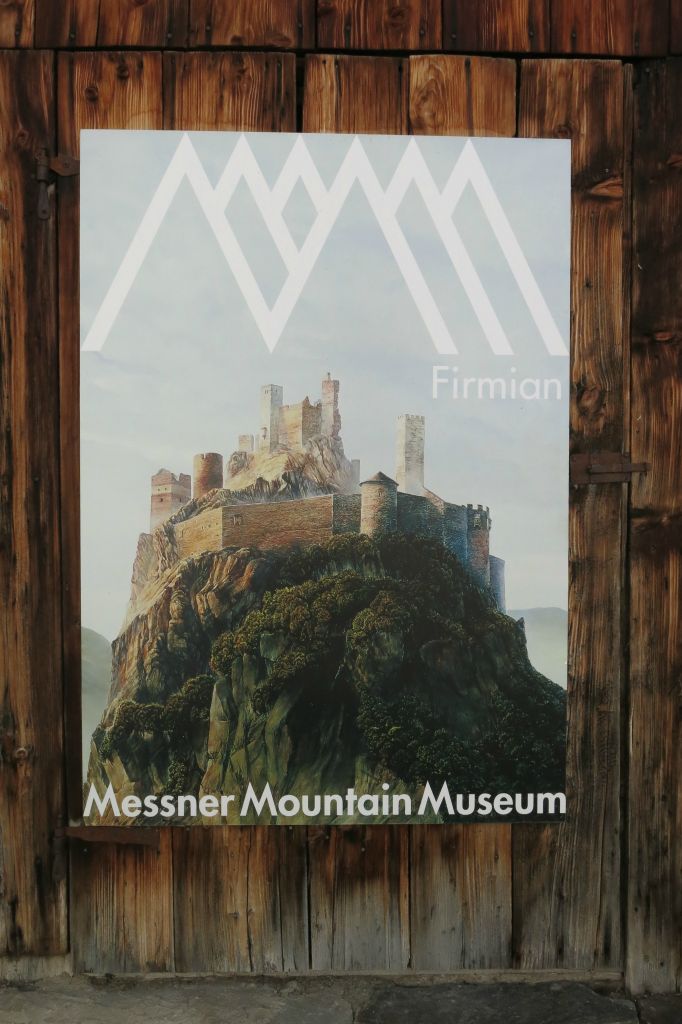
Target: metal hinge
<point>604,468</point>
<point>62,165</point>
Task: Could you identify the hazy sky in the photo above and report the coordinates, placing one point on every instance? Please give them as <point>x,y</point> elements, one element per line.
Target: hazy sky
<point>182,367</point>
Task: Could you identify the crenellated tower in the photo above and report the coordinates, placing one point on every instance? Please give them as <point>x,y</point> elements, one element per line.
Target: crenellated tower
<point>409,453</point>
<point>330,420</point>
<point>271,400</point>
<point>169,493</point>
<point>207,473</point>
<point>478,543</point>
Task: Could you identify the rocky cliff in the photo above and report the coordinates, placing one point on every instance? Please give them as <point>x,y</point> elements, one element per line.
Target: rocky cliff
<point>346,664</point>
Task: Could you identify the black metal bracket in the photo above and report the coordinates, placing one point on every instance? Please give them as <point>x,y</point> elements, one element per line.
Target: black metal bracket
<point>62,166</point>
<point>604,468</point>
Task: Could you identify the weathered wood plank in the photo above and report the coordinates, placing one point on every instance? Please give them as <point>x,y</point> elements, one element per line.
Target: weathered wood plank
<point>358,876</point>
<point>230,91</point>
<point>111,23</point>
<point>96,90</point>
<point>285,24</point>
<point>496,26</point>
<point>460,875</point>
<point>123,920</point>
<point>359,902</point>
<point>241,899</point>
<point>654,955</point>
<point>17,23</point>
<point>620,28</point>
<point>121,898</point>
<point>567,878</point>
<point>355,94</point>
<point>240,893</point>
<point>32,882</point>
<point>675,44</point>
<point>462,95</point>
<point>383,25</point>
<point>460,897</point>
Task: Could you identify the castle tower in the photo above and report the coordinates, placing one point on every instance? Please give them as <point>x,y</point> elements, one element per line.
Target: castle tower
<point>497,581</point>
<point>271,399</point>
<point>455,529</point>
<point>330,424</point>
<point>478,543</point>
<point>207,473</point>
<point>169,493</point>
<point>378,505</point>
<point>245,443</point>
<point>409,454</point>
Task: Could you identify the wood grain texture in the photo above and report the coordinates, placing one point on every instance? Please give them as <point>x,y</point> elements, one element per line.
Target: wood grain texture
<point>32,876</point>
<point>111,23</point>
<point>241,899</point>
<point>460,897</point>
<point>120,897</point>
<point>355,94</point>
<point>379,24</point>
<point>17,23</point>
<point>238,91</point>
<point>675,43</point>
<point>623,28</point>
<point>123,920</point>
<point>654,956</point>
<point>96,90</point>
<point>358,877</point>
<point>567,909</point>
<point>496,26</point>
<point>460,876</point>
<point>462,95</point>
<point>283,24</point>
<point>359,903</point>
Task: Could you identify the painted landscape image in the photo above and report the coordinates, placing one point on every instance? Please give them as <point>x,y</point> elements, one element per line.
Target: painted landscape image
<point>302,562</point>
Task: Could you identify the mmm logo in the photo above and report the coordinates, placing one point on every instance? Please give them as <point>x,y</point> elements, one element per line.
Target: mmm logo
<point>328,202</point>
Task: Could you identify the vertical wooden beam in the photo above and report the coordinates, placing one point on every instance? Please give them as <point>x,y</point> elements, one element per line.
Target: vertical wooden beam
<point>121,899</point>
<point>675,26</point>
<point>359,907</point>
<point>496,26</point>
<point>33,889</point>
<point>460,875</point>
<point>240,893</point>
<point>111,23</point>
<point>17,23</point>
<point>567,898</point>
<point>654,955</point>
<point>285,24</point>
<point>382,25</point>
<point>619,28</point>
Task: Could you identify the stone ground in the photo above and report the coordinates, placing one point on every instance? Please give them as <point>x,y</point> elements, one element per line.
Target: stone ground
<point>332,1000</point>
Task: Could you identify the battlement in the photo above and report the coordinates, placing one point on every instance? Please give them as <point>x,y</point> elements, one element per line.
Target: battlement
<point>384,505</point>
<point>291,426</point>
<point>168,493</point>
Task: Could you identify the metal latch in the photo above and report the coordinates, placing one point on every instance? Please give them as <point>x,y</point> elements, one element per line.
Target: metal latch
<point>604,468</point>
<point>62,165</point>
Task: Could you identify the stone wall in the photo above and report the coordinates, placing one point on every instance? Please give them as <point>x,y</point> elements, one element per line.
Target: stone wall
<point>419,516</point>
<point>346,513</point>
<point>278,524</point>
<point>297,423</point>
<point>200,533</point>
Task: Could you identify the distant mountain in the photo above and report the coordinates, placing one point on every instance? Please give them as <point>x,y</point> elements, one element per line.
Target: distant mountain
<point>547,638</point>
<point>96,670</point>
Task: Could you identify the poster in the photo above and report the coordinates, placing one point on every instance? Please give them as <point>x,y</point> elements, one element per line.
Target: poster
<point>324,477</point>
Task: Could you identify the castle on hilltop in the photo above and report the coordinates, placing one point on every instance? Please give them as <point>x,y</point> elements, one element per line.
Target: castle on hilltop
<point>377,505</point>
